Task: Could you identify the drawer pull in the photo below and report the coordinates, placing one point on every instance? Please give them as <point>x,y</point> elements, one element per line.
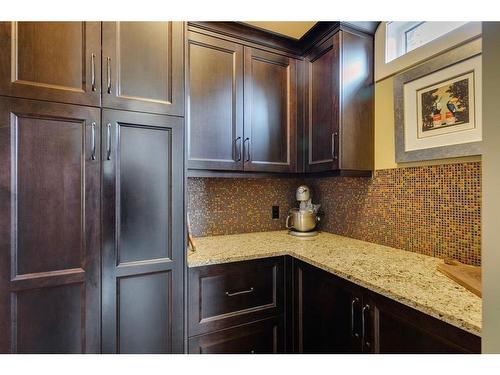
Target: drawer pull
<point>108,70</point>
<point>108,137</point>
<point>237,293</point>
<point>92,128</point>
<point>92,71</point>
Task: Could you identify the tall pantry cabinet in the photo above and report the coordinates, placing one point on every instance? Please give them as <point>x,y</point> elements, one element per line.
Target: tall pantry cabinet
<point>91,187</point>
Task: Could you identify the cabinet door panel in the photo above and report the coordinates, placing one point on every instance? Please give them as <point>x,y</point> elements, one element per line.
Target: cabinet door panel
<point>141,239</point>
<point>215,103</point>
<point>143,64</point>
<point>263,337</point>
<point>49,320</point>
<point>325,313</point>
<point>322,115</point>
<point>150,292</point>
<point>46,142</point>
<point>221,296</point>
<point>143,251</point>
<point>357,107</point>
<point>56,61</point>
<point>270,112</point>
<point>50,231</point>
<point>394,328</point>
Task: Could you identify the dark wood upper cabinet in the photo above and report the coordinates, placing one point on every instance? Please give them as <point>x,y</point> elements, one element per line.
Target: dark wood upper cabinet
<point>214,103</point>
<point>311,112</point>
<point>143,66</point>
<point>226,132</point>
<point>54,61</point>
<point>143,251</point>
<point>49,227</point>
<point>322,98</point>
<point>339,125</point>
<point>270,112</point>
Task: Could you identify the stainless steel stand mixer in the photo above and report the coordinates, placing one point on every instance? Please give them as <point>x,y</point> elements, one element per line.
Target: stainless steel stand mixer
<point>302,221</point>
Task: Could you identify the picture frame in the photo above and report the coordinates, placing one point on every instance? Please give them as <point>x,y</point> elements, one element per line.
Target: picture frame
<point>437,107</point>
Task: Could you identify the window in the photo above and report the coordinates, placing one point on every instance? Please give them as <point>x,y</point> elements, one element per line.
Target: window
<point>402,44</point>
<point>403,37</point>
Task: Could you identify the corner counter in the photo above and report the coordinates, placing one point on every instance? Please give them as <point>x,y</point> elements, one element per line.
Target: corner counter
<point>409,278</point>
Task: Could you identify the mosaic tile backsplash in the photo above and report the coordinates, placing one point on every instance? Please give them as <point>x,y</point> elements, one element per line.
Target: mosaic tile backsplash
<point>238,205</point>
<point>433,210</point>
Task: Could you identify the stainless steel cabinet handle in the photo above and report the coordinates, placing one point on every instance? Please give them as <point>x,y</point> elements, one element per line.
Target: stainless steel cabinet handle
<point>238,293</point>
<point>92,71</point>
<point>334,155</point>
<point>92,136</point>
<point>247,148</point>
<point>237,149</point>
<point>108,70</point>
<point>363,324</point>
<point>353,302</point>
<point>108,139</point>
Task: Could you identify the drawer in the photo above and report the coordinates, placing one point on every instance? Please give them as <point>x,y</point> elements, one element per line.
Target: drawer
<point>262,337</point>
<point>222,296</point>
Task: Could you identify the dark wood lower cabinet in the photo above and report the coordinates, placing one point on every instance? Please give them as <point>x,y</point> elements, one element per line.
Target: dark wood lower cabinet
<point>262,337</point>
<point>333,315</point>
<point>237,307</point>
<point>143,251</point>
<point>282,304</point>
<point>325,313</point>
<point>49,227</point>
<point>227,295</point>
<point>398,329</point>
<point>50,230</point>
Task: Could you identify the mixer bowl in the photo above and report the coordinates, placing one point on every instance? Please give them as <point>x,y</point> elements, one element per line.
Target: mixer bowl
<point>302,221</point>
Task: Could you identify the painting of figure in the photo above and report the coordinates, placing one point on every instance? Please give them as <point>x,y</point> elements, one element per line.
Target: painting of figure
<point>446,104</point>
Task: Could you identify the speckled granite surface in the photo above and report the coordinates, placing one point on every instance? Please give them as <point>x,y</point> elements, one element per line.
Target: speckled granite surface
<point>406,277</point>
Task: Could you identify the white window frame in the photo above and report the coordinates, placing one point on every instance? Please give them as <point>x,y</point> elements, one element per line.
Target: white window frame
<point>383,69</point>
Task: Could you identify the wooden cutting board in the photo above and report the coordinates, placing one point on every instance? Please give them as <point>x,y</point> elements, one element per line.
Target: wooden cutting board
<point>467,276</point>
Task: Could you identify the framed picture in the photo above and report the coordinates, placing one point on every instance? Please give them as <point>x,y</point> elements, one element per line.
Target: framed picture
<point>437,107</point>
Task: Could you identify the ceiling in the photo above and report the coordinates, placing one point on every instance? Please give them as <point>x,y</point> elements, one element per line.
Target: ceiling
<point>291,29</point>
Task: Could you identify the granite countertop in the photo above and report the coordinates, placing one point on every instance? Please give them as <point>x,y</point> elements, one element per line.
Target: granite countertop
<point>406,277</point>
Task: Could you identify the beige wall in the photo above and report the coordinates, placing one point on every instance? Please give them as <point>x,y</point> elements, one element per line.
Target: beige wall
<point>384,131</point>
<point>491,183</point>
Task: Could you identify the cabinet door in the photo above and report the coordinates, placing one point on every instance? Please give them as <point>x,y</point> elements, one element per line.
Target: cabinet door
<point>215,103</point>
<point>225,295</point>
<point>144,66</point>
<point>326,312</point>
<point>270,112</point>
<point>357,104</point>
<point>393,328</point>
<point>49,228</point>
<point>55,61</point>
<point>262,337</point>
<point>322,106</point>
<point>143,242</point>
